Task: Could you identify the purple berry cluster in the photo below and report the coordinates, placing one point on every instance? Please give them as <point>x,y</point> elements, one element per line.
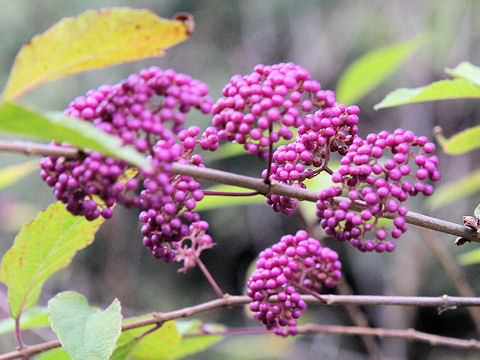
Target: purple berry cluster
<point>259,109</point>
<point>78,183</point>
<point>296,262</point>
<point>148,111</point>
<point>380,172</point>
<point>166,195</point>
<point>326,131</point>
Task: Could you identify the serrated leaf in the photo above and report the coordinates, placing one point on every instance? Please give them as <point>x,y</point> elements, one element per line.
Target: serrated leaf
<point>467,71</point>
<point>470,258</point>
<point>54,354</point>
<point>462,142</point>
<point>85,333</point>
<point>439,90</point>
<point>18,119</point>
<point>92,40</point>
<point>37,317</point>
<point>42,247</point>
<point>211,202</point>
<point>13,173</point>
<point>455,190</point>
<point>193,345</point>
<point>371,69</point>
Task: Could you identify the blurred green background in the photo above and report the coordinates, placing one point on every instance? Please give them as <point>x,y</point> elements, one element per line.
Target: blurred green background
<point>230,38</point>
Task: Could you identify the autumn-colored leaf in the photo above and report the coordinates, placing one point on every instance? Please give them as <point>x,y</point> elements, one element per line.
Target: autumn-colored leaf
<point>92,40</point>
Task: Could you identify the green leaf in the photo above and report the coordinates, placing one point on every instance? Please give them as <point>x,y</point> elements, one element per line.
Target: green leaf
<point>17,119</point>
<point>455,190</point>
<point>373,68</point>
<point>92,40</point>
<point>193,345</point>
<point>470,258</point>
<point>462,142</point>
<point>124,348</point>
<point>11,174</point>
<point>476,212</point>
<point>37,317</point>
<point>158,344</point>
<point>440,90</point>
<point>42,247</point>
<point>214,202</point>
<point>54,354</point>
<point>86,333</point>
<point>467,71</point>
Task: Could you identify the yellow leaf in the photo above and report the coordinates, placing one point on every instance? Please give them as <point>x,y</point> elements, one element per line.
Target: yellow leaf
<point>92,40</point>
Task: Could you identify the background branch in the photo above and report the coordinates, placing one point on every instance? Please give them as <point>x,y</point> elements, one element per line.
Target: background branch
<point>444,302</point>
<point>409,334</point>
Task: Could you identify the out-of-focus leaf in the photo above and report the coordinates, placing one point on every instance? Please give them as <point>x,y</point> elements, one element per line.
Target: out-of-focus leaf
<point>476,212</point>
<point>193,345</point>
<point>462,142</point>
<point>467,71</point>
<point>84,332</point>
<point>439,90</point>
<point>470,258</point>
<point>455,190</point>
<point>13,173</point>
<point>371,69</point>
<point>92,40</point>
<point>265,347</point>
<point>124,348</point>
<point>42,247</point>
<point>214,202</point>
<point>54,354</point>
<point>159,344</point>
<point>18,119</point>
<point>36,317</point>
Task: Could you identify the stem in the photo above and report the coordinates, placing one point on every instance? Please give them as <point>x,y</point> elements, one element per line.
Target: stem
<point>444,301</point>
<point>29,148</point>
<point>270,156</point>
<point>308,291</point>
<point>409,334</point>
<point>254,184</point>
<point>18,335</point>
<point>209,277</point>
<point>149,331</point>
<point>228,193</point>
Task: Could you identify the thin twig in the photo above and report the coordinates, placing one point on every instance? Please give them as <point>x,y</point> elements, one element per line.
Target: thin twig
<point>443,302</point>
<point>458,278</point>
<point>254,184</point>
<point>409,334</point>
<point>229,193</point>
<point>359,319</point>
<point>209,277</point>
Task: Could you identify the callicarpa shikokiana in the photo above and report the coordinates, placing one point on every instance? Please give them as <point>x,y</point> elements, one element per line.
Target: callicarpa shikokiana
<point>274,102</point>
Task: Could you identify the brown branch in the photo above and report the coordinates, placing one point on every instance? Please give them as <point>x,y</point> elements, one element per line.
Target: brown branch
<point>453,271</point>
<point>409,334</point>
<point>254,184</point>
<point>443,302</point>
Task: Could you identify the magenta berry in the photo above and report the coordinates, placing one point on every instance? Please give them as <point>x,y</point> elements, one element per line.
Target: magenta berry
<point>277,95</point>
<point>295,261</point>
<point>381,185</point>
